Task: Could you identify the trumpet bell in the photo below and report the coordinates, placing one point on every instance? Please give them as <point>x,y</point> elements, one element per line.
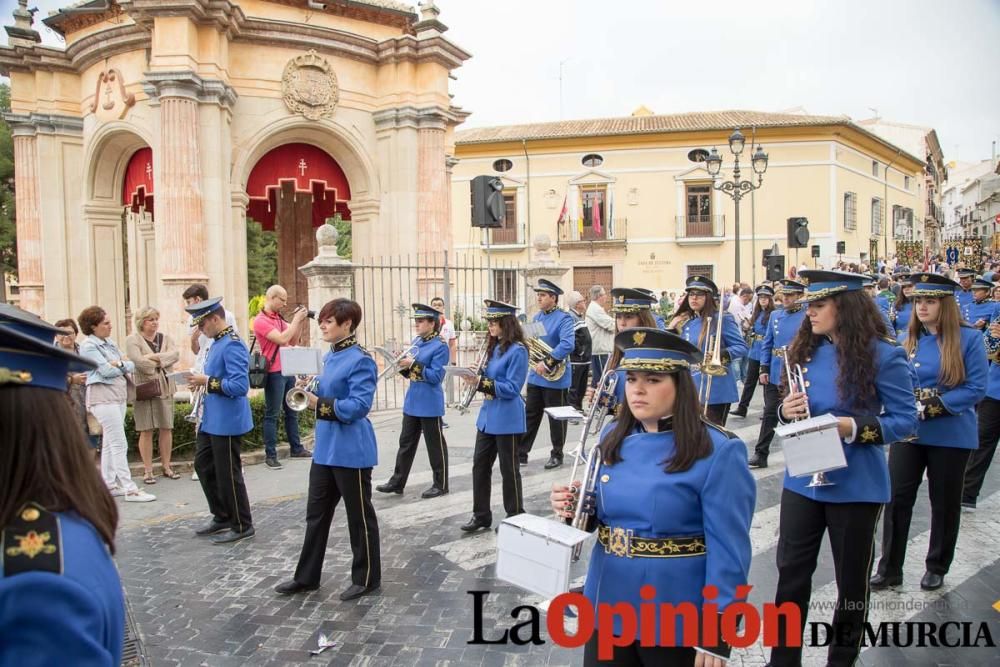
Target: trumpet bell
<point>296,399</point>
<point>713,369</point>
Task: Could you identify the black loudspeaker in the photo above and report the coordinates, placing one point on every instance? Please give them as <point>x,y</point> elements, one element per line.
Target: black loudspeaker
<point>841,247</point>
<point>775,266</point>
<point>486,193</point>
<point>764,254</point>
<point>798,232</point>
<point>815,251</point>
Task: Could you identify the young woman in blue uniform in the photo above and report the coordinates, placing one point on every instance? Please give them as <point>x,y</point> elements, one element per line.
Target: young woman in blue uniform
<point>983,308</point>
<point>988,415</point>
<point>782,327</point>
<point>700,303</point>
<point>673,500</point>
<point>759,318</point>
<point>423,407</point>
<point>501,419</point>
<point>654,301</point>
<point>964,295</point>
<point>856,372</point>
<point>903,306</point>
<point>949,361</point>
<point>345,453</point>
<point>61,599</point>
<point>631,309</point>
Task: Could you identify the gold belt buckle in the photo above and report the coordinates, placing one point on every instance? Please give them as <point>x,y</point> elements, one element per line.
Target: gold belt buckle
<point>619,542</point>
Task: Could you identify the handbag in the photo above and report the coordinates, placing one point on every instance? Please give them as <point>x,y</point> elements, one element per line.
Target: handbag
<point>93,426</point>
<point>147,391</point>
<point>259,365</point>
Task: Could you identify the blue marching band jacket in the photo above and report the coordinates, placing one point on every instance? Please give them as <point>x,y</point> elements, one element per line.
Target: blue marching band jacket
<point>502,412</point>
<point>560,336</point>
<point>781,330</point>
<point>902,322</point>
<point>759,332</point>
<point>965,300</point>
<point>227,408</point>
<point>344,435</point>
<point>425,395</point>
<point>985,310</point>
<point>733,348</point>
<point>948,414</point>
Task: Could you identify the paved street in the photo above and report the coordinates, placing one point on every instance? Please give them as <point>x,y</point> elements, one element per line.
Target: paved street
<point>199,604</point>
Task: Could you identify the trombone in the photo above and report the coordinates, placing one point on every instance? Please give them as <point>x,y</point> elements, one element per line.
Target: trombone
<point>711,366</point>
<point>392,366</point>
<point>797,384</point>
<point>470,391</point>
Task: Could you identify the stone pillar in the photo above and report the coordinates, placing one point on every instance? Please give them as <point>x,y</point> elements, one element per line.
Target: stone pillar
<point>543,265</point>
<point>30,278</point>
<point>329,275</point>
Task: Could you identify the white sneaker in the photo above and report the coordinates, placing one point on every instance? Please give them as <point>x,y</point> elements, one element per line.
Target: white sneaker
<point>139,497</point>
<point>194,476</point>
<point>116,491</point>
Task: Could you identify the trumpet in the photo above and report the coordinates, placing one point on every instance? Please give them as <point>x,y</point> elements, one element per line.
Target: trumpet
<point>297,398</point>
<point>797,384</point>
<point>392,366</point>
<point>470,391</point>
<point>711,366</point>
<point>197,407</point>
<point>538,350</point>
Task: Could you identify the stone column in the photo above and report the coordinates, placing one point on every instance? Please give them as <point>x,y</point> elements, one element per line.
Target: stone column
<point>30,278</point>
<point>543,265</point>
<point>329,275</point>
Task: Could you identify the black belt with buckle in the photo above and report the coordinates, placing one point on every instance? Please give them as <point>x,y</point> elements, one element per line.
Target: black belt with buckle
<point>622,542</point>
<point>925,394</point>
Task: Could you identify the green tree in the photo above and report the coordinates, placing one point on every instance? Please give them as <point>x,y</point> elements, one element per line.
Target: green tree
<point>343,235</point>
<point>8,229</point>
<point>262,258</point>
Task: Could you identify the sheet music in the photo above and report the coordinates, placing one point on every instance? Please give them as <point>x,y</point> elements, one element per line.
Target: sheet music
<point>534,329</point>
<point>459,371</point>
<point>811,446</point>
<point>564,413</point>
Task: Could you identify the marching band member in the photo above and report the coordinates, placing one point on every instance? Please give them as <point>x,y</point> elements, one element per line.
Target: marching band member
<point>654,301</point>
<point>988,416</point>
<point>61,599</point>
<point>855,372</point>
<point>423,406</point>
<point>949,361</point>
<point>880,301</point>
<point>501,418</point>
<point>964,295</point>
<point>560,335</point>
<point>759,319</point>
<point>631,309</point>
<point>673,501</point>
<point>700,303</point>
<point>782,328</point>
<point>345,453</point>
<point>225,419</point>
<point>983,308</point>
<point>903,305</point>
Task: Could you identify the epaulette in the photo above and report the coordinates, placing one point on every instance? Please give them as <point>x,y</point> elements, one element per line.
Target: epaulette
<point>729,434</point>
<point>32,542</point>
<point>233,335</point>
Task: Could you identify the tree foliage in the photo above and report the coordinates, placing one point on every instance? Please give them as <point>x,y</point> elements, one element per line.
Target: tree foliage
<point>343,228</point>
<point>8,238</point>
<point>262,258</point>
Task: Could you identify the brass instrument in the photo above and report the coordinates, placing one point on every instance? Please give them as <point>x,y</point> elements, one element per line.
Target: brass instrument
<point>392,365</point>
<point>797,384</point>
<point>297,398</point>
<point>992,343</point>
<point>197,407</point>
<point>711,366</point>
<point>678,322</point>
<point>538,351</point>
<point>470,392</point>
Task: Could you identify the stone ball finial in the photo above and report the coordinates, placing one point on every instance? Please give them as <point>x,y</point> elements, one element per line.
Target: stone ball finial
<point>542,242</point>
<point>326,239</point>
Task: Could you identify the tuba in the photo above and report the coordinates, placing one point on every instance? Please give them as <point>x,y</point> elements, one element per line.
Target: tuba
<point>538,351</point>
<point>797,384</point>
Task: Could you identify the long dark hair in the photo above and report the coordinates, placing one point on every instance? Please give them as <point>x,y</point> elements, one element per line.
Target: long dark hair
<point>710,309</point>
<point>691,439</point>
<point>645,320</point>
<point>47,460</point>
<point>859,327</point>
<point>510,333</point>
<point>757,310</point>
<point>901,298</point>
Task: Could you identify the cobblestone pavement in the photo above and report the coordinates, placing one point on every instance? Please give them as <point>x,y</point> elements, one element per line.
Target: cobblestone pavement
<point>200,604</point>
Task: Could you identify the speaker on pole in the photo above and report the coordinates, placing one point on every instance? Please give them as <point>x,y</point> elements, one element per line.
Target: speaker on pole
<point>815,251</point>
<point>798,232</point>
<point>775,267</point>
<point>841,247</point>
<point>486,200</point>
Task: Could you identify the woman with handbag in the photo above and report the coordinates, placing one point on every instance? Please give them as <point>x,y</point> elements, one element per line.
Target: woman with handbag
<point>76,386</point>
<point>154,355</point>
<point>107,394</point>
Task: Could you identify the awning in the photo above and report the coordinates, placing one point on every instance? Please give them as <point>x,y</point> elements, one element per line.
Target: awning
<point>311,169</point>
<point>137,191</point>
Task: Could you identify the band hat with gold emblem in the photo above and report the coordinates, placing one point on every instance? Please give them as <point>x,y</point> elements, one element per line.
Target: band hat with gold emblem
<point>788,285</point>
<point>701,284</point>
<point>822,284</point>
<point>933,284</point>
<point>498,309</point>
<point>966,273</point>
<point>655,351</point>
<point>422,310</point>
<point>982,283</point>
<point>902,278</point>
<point>29,358</point>
<point>547,286</point>
<point>764,290</point>
<point>629,300</point>
<point>650,294</point>
<point>203,309</point>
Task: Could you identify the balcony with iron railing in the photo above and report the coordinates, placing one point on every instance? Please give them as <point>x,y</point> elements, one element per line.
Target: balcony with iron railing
<point>504,238</point>
<point>610,234</point>
<point>700,229</point>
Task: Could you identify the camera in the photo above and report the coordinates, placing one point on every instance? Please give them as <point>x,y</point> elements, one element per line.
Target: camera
<point>311,314</point>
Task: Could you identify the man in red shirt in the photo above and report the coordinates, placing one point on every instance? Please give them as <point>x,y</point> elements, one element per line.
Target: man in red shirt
<point>273,333</point>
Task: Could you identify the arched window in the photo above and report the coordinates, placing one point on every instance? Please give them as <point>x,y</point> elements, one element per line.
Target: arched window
<point>592,160</point>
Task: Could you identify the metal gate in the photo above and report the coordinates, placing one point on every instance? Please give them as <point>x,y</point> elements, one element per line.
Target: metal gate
<point>386,286</point>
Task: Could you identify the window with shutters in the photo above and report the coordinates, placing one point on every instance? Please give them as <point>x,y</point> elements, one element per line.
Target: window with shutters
<point>508,233</point>
<point>706,270</point>
<point>505,285</point>
<point>876,216</point>
<point>699,209</point>
<point>850,210</point>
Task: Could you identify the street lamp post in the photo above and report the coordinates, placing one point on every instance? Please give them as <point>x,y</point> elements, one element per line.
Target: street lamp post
<point>736,188</point>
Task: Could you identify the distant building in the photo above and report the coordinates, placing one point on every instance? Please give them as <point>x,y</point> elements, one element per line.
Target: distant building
<point>970,200</point>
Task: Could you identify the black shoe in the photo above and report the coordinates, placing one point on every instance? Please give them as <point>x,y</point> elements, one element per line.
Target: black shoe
<point>522,459</point>
<point>553,462</point>
<point>389,487</point>
<point>968,506</point>
<point>738,413</point>
<point>232,536</point>
<point>882,581</point>
<point>292,587</point>
<point>433,492</point>
<point>475,524</point>
<point>758,461</point>
<point>302,454</point>
<point>213,528</point>
<point>356,591</point>
<point>932,581</point>
<point>273,464</point>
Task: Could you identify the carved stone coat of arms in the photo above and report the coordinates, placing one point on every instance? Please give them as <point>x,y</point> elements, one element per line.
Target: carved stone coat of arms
<point>309,86</point>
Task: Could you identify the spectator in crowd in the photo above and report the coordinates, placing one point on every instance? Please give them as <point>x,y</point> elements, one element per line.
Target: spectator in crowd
<point>741,309</point>
<point>448,334</point>
<point>273,333</point>
<point>154,355</point>
<point>579,358</point>
<point>666,305</point>
<point>76,383</point>
<point>107,394</point>
<point>602,331</point>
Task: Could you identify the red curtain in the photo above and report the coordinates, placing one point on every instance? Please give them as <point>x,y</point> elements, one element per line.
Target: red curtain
<point>311,169</point>
<point>137,191</point>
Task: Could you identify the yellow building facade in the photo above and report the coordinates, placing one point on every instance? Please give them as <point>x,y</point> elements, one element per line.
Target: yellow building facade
<point>624,204</point>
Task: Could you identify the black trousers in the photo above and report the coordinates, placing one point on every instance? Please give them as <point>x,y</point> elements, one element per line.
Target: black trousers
<point>639,656</point>
<point>578,386</point>
<point>945,468</point>
<point>852,539</point>
<point>718,413</point>
<point>327,485</point>
<point>488,448</point>
<point>979,462</point>
<point>538,399</point>
<point>437,450</point>
<point>217,462</point>
<point>772,398</point>
<point>750,384</point>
